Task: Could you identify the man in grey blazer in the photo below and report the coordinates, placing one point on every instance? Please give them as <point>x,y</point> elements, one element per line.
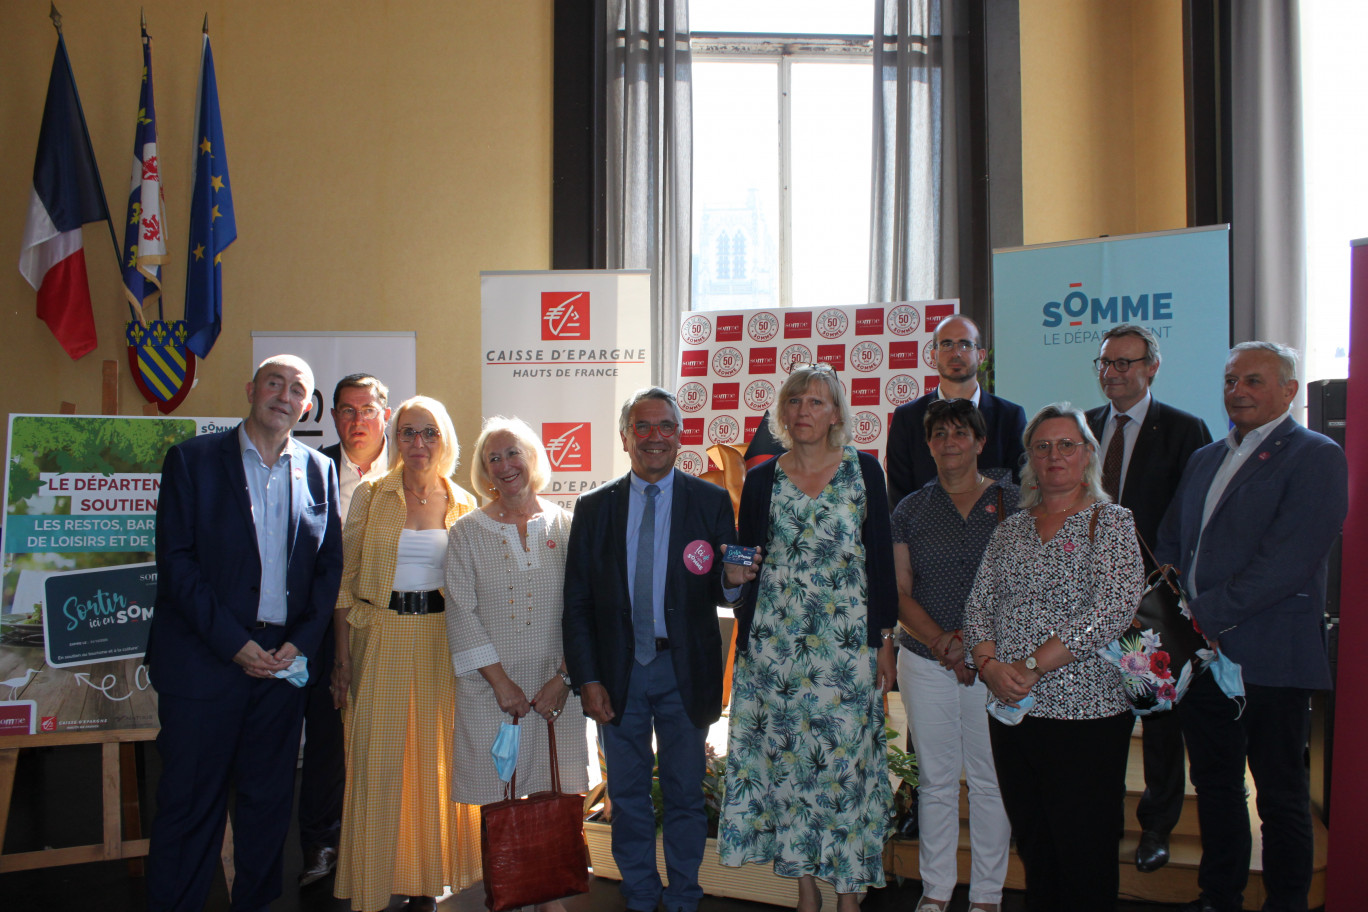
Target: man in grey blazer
<point>1145,447</point>
<point>1249,529</point>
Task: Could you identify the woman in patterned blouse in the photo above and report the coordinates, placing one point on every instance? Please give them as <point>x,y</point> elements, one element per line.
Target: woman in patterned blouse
<point>939,536</point>
<point>1059,580</point>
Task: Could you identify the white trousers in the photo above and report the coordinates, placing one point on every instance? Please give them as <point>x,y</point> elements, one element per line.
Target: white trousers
<point>949,727</point>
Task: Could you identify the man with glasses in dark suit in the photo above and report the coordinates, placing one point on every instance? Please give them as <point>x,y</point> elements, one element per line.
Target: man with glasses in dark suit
<point>1145,446</point>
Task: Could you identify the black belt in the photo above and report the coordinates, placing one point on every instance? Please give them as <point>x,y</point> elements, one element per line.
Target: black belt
<point>662,644</point>
<point>429,602</point>
<point>262,625</point>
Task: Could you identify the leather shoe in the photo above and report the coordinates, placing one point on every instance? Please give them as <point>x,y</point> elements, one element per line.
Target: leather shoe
<point>1201,904</point>
<point>1152,853</point>
<point>421,904</point>
<point>318,864</point>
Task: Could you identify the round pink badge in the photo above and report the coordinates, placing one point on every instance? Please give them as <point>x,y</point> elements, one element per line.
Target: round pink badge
<point>698,557</point>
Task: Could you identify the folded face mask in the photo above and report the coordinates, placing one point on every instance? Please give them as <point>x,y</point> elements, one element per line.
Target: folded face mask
<point>1011,715</point>
<point>505,750</point>
<point>1229,678</point>
<point>298,672</point>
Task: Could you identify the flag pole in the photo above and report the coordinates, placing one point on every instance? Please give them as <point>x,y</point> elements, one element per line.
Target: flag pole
<point>56,18</point>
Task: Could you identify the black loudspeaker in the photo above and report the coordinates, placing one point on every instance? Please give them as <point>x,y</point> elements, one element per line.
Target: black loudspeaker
<point>1325,411</point>
<point>1326,406</point>
<point>1325,414</point>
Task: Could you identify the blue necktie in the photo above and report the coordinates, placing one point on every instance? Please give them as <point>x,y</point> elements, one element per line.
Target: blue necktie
<point>643,582</point>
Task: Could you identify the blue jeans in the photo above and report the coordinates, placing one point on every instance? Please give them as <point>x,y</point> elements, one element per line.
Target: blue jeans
<point>653,702</point>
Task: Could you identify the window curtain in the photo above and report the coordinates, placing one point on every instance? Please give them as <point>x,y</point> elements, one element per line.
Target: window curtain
<point>913,249</point>
<point>649,168</point>
<point>1268,224</point>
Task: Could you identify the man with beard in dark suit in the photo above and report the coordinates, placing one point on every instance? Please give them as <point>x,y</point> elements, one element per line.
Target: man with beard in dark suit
<point>959,352</point>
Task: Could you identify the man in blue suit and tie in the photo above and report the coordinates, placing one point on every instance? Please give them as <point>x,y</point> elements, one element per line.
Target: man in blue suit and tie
<point>643,646</point>
<point>249,557</point>
<point>1249,529</point>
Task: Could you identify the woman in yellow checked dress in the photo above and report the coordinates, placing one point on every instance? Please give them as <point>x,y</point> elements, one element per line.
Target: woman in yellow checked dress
<point>400,832</point>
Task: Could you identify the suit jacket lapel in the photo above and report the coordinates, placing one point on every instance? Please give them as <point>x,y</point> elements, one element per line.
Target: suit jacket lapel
<point>679,509</point>
<point>1259,461</point>
<point>1096,419</point>
<point>231,454</point>
<point>1145,441</point>
<point>299,486</point>
<point>617,535</point>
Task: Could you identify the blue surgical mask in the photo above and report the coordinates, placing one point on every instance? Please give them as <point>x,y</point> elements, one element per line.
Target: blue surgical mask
<point>505,750</point>
<point>1229,678</point>
<point>298,672</point>
<point>1010,715</point>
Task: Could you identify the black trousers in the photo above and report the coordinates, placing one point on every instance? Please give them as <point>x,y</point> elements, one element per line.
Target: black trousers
<point>323,775</point>
<point>1271,734</point>
<point>1162,802</point>
<point>1063,783</point>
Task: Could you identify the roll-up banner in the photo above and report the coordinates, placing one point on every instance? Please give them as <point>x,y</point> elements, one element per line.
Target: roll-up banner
<point>562,349</point>
<point>1053,302</point>
<point>732,364</point>
<point>1349,820</point>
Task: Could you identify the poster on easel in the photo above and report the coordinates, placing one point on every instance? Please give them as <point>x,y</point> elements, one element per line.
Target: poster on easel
<point>79,578</point>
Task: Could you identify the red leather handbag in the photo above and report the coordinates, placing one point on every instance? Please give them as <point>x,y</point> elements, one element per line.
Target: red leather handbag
<point>533,848</point>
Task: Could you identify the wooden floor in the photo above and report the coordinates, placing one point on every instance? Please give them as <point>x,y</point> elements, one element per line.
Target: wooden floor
<point>1176,882</point>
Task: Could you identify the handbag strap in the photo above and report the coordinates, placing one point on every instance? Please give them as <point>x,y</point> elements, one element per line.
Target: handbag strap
<point>511,789</point>
<point>1092,523</point>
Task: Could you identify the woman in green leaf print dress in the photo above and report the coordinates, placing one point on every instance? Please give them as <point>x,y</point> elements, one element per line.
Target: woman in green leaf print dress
<point>807,773</point>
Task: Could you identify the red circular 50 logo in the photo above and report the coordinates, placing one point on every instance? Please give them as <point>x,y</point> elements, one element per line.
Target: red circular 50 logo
<point>696,330</point>
<point>903,320</point>
<point>832,323</point>
<point>867,427</point>
<point>692,396</point>
<point>763,326</point>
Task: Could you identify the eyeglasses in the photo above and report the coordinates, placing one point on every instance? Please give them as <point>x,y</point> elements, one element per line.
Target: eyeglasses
<point>366,413</point>
<point>964,345</point>
<point>1063,446</point>
<point>643,429</point>
<point>814,366</point>
<point>429,435</point>
<point>1120,365</point>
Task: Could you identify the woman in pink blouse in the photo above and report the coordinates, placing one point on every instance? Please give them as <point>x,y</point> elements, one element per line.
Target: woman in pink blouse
<point>1059,580</point>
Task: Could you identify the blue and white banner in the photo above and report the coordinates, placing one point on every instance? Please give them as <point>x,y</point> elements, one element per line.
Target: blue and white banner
<point>1053,302</point>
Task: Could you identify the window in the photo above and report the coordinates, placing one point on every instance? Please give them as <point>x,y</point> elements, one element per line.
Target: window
<point>1334,84</point>
<point>782,122</point>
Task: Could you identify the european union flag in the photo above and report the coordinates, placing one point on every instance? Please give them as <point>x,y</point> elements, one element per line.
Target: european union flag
<point>212,226</point>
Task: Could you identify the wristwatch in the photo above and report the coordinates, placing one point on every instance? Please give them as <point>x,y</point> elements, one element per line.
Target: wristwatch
<point>565,676</point>
<point>1033,665</point>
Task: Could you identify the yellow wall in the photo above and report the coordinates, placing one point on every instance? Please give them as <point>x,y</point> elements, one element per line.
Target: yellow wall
<point>381,155</point>
<point>1102,112</point>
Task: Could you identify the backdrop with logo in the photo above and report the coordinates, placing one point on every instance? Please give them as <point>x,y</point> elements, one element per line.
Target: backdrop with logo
<point>1053,302</point>
<point>732,364</point>
<point>562,349</point>
<point>79,579</point>
<point>390,356</point>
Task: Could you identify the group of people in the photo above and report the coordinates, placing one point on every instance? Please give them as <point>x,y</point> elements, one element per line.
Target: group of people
<point>1000,555</point>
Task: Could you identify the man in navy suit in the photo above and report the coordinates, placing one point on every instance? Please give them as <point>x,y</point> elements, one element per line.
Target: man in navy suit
<point>360,410</point>
<point>959,352</point>
<point>1145,445</point>
<point>643,646</point>
<point>1249,529</point>
<point>249,558</point>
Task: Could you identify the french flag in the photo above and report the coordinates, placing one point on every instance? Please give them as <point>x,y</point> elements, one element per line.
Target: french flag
<point>66,194</point>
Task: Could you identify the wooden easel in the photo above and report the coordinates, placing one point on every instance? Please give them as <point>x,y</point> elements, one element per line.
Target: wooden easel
<point>118,791</point>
